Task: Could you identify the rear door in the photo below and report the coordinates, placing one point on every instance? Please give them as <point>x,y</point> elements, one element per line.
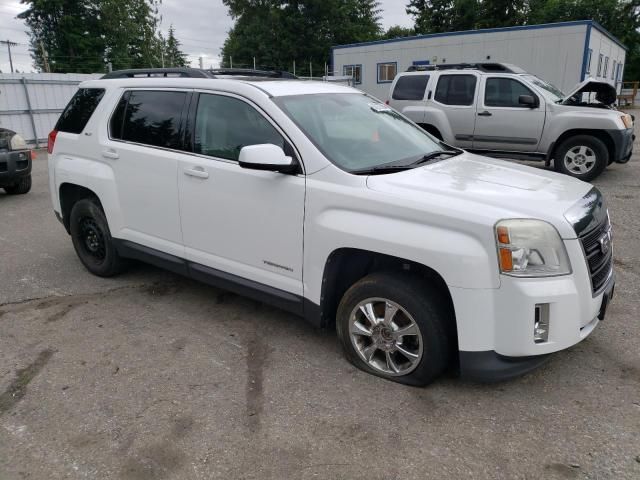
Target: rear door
<point>455,94</point>
<point>142,148</point>
<point>502,122</point>
<point>408,94</point>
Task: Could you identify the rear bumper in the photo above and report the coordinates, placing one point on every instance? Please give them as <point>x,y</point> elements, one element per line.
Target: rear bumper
<point>623,144</point>
<point>14,166</point>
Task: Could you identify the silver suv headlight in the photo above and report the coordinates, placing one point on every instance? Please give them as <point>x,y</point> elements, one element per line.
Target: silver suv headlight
<point>530,248</point>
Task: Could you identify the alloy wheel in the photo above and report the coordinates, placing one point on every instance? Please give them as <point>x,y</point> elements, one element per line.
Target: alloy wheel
<point>580,159</point>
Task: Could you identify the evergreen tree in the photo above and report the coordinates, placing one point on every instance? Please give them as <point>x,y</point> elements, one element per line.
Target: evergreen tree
<point>173,56</point>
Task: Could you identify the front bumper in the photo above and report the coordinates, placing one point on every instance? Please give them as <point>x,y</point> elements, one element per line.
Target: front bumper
<point>623,144</point>
<point>496,326</point>
<point>13,166</point>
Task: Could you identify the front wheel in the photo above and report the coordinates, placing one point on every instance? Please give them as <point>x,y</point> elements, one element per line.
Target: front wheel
<point>395,327</point>
<point>582,156</point>
<point>92,239</point>
<point>21,187</point>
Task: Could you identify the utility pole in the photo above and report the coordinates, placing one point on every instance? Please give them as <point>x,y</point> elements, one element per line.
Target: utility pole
<point>254,63</point>
<point>45,58</point>
<point>230,61</point>
<point>201,62</point>
<point>9,44</point>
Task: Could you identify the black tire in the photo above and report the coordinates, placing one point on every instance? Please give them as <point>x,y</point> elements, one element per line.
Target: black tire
<point>92,239</point>
<point>21,187</point>
<point>573,145</point>
<point>427,310</point>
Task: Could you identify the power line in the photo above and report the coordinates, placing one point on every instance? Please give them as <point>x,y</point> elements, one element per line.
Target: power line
<point>9,44</point>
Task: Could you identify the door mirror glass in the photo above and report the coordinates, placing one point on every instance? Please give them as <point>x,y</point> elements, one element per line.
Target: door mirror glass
<point>266,157</point>
<point>527,100</point>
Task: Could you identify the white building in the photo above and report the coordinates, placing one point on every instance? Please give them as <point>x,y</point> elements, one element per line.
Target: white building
<point>561,53</point>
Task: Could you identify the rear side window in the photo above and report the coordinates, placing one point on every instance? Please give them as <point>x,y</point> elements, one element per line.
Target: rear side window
<point>410,87</point>
<point>79,110</point>
<point>151,118</point>
<point>456,89</point>
<point>224,125</point>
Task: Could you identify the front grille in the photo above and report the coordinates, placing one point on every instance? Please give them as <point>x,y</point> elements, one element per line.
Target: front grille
<point>599,261</point>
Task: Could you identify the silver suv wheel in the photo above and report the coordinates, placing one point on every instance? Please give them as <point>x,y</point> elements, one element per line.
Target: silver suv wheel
<point>385,336</point>
<point>580,159</point>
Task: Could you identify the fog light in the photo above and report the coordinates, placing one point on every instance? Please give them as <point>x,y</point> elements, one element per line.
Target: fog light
<point>541,323</point>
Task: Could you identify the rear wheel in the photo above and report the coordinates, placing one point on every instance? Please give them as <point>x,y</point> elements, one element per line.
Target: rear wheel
<point>395,327</point>
<point>21,187</point>
<point>582,156</point>
<point>92,239</point>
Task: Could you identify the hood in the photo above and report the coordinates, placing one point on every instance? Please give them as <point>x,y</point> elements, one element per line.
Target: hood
<point>605,92</point>
<point>494,189</point>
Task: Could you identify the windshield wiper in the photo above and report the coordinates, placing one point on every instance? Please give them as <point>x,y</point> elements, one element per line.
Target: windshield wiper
<point>407,166</point>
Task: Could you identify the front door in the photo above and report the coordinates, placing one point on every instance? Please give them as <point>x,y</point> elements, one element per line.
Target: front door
<point>244,222</point>
<point>502,122</point>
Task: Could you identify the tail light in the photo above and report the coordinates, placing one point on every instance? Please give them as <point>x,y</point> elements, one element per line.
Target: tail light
<point>51,140</point>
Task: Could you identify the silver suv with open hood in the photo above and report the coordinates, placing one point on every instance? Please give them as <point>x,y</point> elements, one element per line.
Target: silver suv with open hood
<point>500,110</point>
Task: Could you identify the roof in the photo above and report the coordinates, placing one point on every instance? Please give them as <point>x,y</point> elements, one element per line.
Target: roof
<point>272,88</point>
<point>591,23</point>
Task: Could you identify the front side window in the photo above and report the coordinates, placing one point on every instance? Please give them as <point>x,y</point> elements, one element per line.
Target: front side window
<point>356,132</point>
<point>79,110</point>
<point>410,87</point>
<point>456,89</point>
<point>505,92</point>
<point>152,118</point>
<point>225,124</point>
<point>387,72</point>
<point>354,71</point>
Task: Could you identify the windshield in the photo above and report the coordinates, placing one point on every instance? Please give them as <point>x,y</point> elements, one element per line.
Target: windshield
<point>357,132</point>
<point>549,91</point>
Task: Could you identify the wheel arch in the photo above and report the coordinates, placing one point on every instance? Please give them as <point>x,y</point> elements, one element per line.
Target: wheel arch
<point>599,134</point>
<point>70,194</point>
<point>345,266</point>
<point>432,129</point>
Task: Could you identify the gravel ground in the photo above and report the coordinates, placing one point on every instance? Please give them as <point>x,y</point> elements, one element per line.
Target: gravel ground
<point>152,376</point>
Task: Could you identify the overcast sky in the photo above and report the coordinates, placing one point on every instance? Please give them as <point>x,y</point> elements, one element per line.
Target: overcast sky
<point>201,26</point>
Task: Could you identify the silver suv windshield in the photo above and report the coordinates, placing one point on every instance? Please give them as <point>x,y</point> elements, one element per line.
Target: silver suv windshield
<point>549,91</point>
<point>356,132</point>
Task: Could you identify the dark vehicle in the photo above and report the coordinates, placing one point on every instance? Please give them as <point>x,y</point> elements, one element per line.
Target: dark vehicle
<point>15,163</point>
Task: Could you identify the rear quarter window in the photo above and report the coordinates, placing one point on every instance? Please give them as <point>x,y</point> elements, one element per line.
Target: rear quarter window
<point>456,89</point>
<point>410,87</point>
<point>77,113</point>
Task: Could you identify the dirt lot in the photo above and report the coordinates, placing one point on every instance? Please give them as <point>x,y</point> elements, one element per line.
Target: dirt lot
<point>151,376</point>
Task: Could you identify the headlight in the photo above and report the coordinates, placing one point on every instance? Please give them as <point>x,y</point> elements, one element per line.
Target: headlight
<point>530,248</point>
<point>626,120</point>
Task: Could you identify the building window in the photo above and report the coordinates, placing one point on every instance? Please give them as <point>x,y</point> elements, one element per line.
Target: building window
<point>354,71</point>
<point>600,65</point>
<point>588,70</point>
<point>606,66</point>
<point>619,72</point>
<point>613,69</point>
<point>387,72</point>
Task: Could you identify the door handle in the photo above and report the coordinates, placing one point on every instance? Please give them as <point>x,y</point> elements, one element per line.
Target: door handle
<point>485,114</point>
<point>110,153</point>
<point>196,172</point>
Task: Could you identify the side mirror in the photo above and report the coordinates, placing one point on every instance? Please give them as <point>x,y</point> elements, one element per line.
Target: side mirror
<point>266,157</point>
<point>528,101</point>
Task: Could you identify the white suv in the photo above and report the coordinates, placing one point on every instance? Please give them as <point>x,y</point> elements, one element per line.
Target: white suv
<point>327,203</point>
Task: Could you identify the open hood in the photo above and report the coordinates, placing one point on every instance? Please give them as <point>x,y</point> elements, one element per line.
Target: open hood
<point>605,93</point>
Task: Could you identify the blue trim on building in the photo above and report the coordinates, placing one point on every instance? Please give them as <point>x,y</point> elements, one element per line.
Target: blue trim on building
<point>585,53</point>
<point>591,23</point>
<point>378,71</point>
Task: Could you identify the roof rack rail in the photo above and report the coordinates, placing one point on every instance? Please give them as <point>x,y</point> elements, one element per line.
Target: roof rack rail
<point>250,72</point>
<point>185,72</point>
<point>484,67</point>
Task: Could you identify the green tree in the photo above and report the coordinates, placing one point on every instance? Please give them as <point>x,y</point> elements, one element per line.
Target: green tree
<point>396,31</point>
<point>277,32</point>
<point>173,55</point>
<point>433,16</point>
<point>84,35</point>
